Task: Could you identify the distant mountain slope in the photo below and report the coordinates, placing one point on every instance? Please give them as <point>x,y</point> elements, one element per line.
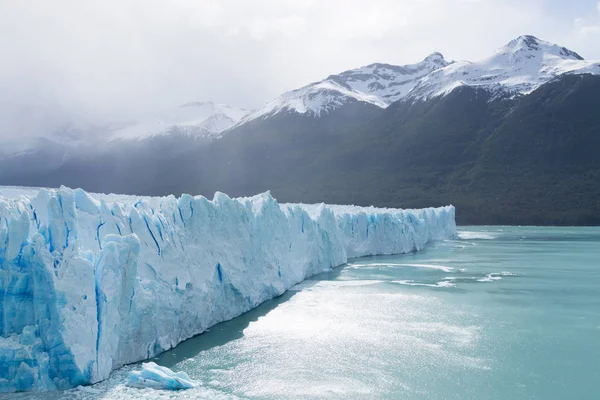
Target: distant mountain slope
<point>197,119</point>
<point>532,159</point>
<point>63,135</point>
<point>528,160</point>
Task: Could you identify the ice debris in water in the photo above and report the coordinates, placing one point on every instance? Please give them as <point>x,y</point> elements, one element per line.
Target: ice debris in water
<point>87,389</point>
<point>156,377</point>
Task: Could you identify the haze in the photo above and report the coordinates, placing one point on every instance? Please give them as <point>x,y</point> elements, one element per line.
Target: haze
<point>107,60</point>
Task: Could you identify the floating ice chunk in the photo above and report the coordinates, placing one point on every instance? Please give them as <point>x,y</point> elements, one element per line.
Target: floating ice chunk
<point>156,377</point>
<point>495,276</point>
<point>444,283</point>
<point>430,266</point>
<point>87,389</point>
<point>468,235</point>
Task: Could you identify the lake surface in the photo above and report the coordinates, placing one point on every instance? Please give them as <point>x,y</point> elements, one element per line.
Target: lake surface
<point>501,313</point>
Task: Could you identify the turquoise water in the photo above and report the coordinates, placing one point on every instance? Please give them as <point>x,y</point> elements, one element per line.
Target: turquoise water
<point>502,313</point>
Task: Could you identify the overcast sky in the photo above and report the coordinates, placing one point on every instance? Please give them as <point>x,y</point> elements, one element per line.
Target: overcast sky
<point>117,57</point>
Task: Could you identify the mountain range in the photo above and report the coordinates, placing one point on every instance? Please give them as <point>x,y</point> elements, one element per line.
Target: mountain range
<point>512,138</point>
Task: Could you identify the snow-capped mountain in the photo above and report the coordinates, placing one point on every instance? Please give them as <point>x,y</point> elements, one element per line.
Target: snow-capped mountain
<point>519,67</point>
<point>45,128</point>
<point>196,119</point>
<point>377,84</point>
<point>390,82</point>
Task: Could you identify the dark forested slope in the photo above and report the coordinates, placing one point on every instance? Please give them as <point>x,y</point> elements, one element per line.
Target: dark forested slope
<point>533,159</point>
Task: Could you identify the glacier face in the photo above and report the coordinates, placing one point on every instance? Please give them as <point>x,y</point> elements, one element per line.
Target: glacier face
<point>89,283</point>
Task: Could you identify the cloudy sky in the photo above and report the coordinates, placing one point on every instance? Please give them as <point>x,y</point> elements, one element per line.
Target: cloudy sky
<point>113,58</point>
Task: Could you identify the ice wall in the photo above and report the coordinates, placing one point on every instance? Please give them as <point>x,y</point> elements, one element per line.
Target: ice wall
<point>91,282</point>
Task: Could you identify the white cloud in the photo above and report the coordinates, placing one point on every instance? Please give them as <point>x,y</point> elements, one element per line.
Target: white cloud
<point>588,28</point>
<point>113,58</point>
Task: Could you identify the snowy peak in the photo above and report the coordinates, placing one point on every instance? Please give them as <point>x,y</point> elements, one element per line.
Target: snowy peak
<point>519,67</point>
<point>389,82</point>
<point>531,44</point>
<point>196,119</point>
<point>315,99</point>
<point>378,84</point>
<point>436,58</point>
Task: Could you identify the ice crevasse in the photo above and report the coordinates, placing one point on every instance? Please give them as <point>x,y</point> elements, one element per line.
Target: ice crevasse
<point>90,282</point>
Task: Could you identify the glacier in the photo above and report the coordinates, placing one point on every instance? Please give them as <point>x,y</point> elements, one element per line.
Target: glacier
<point>91,282</point>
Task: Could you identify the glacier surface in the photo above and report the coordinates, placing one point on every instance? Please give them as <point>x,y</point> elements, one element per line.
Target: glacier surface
<point>90,282</point>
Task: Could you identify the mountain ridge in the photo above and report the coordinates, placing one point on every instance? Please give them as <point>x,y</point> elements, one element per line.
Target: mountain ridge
<point>379,84</point>
<point>517,152</point>
<point>517,68</point>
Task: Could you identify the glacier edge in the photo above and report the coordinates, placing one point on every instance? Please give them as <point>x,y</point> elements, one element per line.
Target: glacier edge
<point>90,282</point>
